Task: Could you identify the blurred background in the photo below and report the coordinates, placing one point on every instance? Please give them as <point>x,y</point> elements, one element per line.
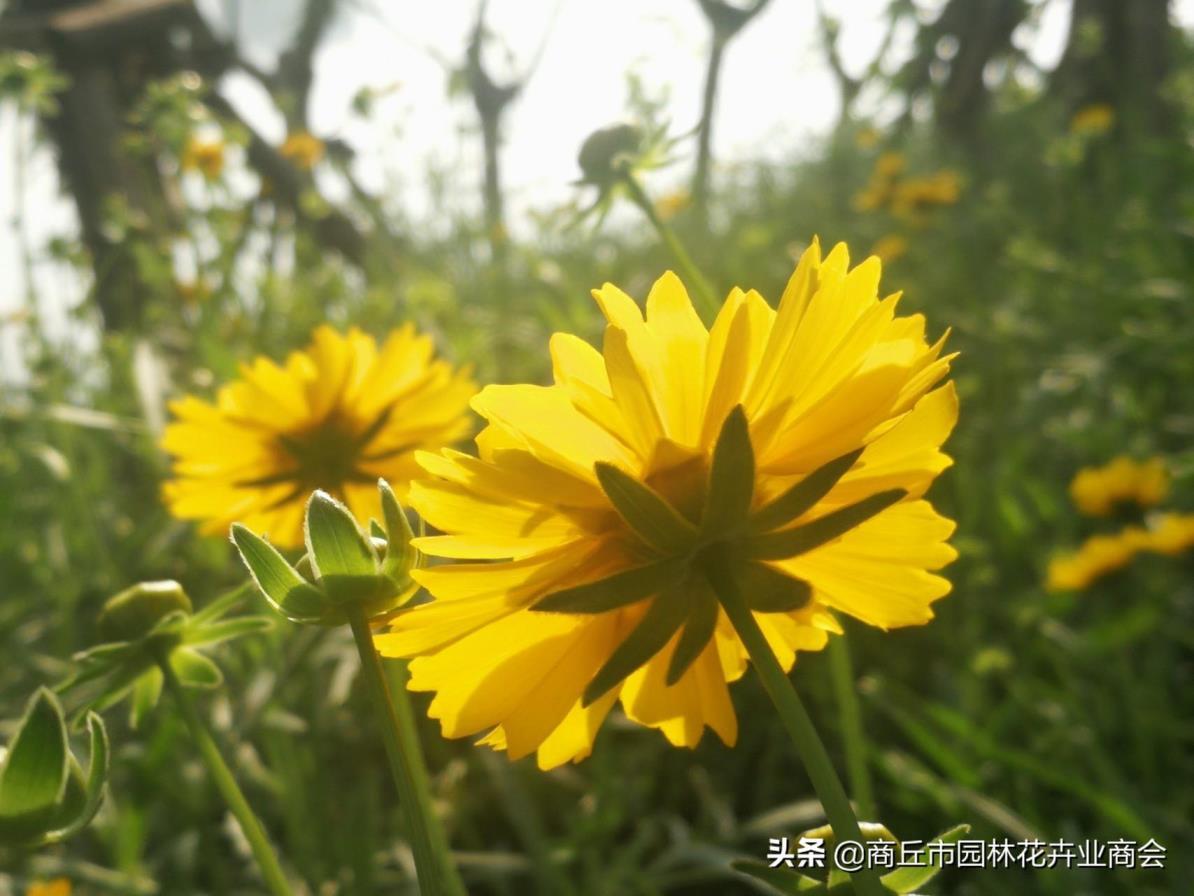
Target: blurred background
<point>185,186</point>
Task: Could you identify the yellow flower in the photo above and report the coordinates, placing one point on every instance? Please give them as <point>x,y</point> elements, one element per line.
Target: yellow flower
<point>786,449</point>
<point>890,247</point>
<point>878,191</point>
<point>1095,558</point>
<point>193,292</point>
<point>1097,118</point>
<point>670,205</point>
<point>204,156</point>
<point>59,886</point>
<point>1170,533</point>
<point>337,416</point>
<point>303,150</point>
<point>867,137</point>
<point>1097,490</point>
<point>889,165</point>
<point>917,193</point>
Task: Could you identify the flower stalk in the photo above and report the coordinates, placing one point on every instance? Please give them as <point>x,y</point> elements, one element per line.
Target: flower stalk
<point>841,671</point>
<point>692,274</point>
<point>795,718</point>
<point>433,862</point>
<point>222,777</point>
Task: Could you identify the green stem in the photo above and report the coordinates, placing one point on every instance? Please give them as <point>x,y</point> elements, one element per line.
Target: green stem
<point>263,852</point>
<point>795,719</point>
<point>433,861</point>
<point>854,738</point>
<point>692,274</point>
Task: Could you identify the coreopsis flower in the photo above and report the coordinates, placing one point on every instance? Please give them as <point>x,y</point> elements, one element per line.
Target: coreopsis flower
<point>916,194</point>
<point>1097,491</point>
<point>204,156</point>
<point>303,150</point>
<point>337,416</point>
<point>1098,556</point>
<point>58,886</point>
<point>1170,534</point>
<point>1092,120</point>
<point>787,449</point>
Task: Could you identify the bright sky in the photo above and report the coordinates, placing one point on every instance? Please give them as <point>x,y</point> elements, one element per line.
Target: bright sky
<point>776,94</point>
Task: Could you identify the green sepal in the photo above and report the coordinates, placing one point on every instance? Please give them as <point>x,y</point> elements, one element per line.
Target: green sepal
<point>137,610</point>
<point>400,554</point>
<point>791,542</point>
<point>287,592</point>
<point>909,878</point>
<point>226,629</point>
<point>342,556</point>
<point>33,778</point>
<point>665,615</point>
<point>779,880</point>
<point>93,787</point>
<point>767,590</point>
<point>804,495</point>
<point>618,590</point>
<point>194,670</point>
<point>731,477</point>
<point>651,517</point>
<point>147,690</point>
<point>222,605</point>
<point>698,629</point>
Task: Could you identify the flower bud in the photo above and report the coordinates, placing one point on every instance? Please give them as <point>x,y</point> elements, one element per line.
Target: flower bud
<point>606,153</point>
<point>134,612</point>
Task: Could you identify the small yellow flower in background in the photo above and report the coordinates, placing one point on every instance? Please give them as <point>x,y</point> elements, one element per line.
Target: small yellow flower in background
<point>867,137</point>
<point>787,449</point>
<point>890,247</point>
<point>1092,120</point>
<point>1096,491</point>
<point>337,416</point>
<point>879,190</point>
<point>204,156</point>
<point>918,193</point>
<point>1095,558</point>
<point>671,204</point>
<point>59,886</point>
<point>1170,534</point>
<point>303,150</point>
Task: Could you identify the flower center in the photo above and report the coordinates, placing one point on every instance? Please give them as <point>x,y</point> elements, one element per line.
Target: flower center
<point>326,455</point>
<point>684,486</point>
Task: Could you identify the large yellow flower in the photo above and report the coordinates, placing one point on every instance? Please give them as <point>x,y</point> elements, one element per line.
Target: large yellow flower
<point>337,416</point>
<point>786,449</point>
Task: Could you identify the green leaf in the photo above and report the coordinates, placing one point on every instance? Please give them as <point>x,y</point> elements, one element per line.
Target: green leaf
<point>341,555</point>
<point>652,518</point>
<point>781,880</point>
<point>791,542</point>
<point>400,553</point>
<point>222,605</point>
<point>96,662</point>
<point>195,670</point>
<point>227,629</point>
<point>97,776</point>
<point>804,495</point>
<point>698,629</point>
<point>659,623</point>
<point>146,691</point>
<point>287,591</point>
<point>617,590</point>
<point>767,590</point>
<point>33,778</point>
<point>909,878</point>
<point>731,477</point>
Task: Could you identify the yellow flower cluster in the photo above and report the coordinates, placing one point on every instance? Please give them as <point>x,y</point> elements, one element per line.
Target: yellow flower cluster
<point>303,150</point>
<point>906,197</point>
<point>1092,120</point>
<point>204,156</point>
<point>1097,491</point>
<point>890,247</point>
<point>59,886</point>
